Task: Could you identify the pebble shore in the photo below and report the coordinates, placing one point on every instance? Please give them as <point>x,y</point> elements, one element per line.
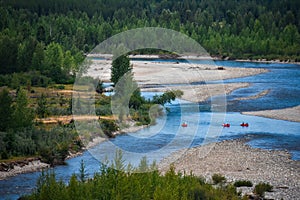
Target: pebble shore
<point>238,161</point>
<point>20,167</point>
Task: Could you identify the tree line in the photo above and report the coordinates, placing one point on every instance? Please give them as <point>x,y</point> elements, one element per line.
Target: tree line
<point>39,35</point>
<point>118,181</point>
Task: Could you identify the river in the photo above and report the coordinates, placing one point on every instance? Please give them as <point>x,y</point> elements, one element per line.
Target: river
<point>283,81</point>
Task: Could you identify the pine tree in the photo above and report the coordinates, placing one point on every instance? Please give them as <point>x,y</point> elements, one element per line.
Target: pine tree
<point>120,66</point>
<point>23,115</point>
<point>42,110</point>
<point>5,110</point>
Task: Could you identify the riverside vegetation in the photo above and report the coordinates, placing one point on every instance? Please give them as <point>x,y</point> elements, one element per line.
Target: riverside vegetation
<point>117,181</point>
<point>24,112</point>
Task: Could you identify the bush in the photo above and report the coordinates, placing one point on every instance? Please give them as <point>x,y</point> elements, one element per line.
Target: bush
<point>218,178</point>
<point>108,127</point>
<point>197,193</point>
<point>103,110</point>
<point>261,188</point>
<point>241,183</point>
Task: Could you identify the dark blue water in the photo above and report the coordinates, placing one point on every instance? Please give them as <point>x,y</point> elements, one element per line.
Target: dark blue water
<point>204,126</point>
<point>282,80</point>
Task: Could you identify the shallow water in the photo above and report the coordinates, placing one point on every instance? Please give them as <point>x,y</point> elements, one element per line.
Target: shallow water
<point>168,136</point>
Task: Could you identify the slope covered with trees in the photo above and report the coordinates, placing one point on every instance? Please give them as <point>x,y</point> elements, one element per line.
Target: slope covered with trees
<point>38,35</point>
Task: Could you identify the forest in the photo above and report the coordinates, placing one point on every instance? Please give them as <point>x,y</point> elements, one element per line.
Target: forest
<point>36,36</point>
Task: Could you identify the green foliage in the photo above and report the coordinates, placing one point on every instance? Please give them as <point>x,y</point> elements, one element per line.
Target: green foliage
<point>16,80</point>
<point>42,109</point>
<point>99,87</point>
<point>218,178</point>
<point>136,100</point>
<point>5,110</point>
<point>82,172</point>
<point>112,182</point>
<point>52,145</point>
<point>120,66</point>
<point>108,127</point>
<point>127,94</point>
<point>54,62</point>
<point>167,97</point>
<point>261,188</point>
<point>243,183</point>
<point>41,36</point>
<point>23,115</point>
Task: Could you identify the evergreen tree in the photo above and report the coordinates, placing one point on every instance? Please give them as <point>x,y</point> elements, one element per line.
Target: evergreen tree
<point>38,58</point>
<point>99,87</point>
<point>42,109</point>
<point>120,66</point>
<point>23,115</point>
<point>5,110</point>
<point>54,62</point>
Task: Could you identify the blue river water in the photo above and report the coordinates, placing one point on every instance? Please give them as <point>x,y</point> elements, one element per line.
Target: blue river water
<point>167,136</point>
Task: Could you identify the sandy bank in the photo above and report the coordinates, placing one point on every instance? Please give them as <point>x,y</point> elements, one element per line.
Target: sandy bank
<point>200,93</point>
<point>162,76</point>
<point>158,73</point>
<point>237,161</point>
<point>289,114</point>
<point>259,95</point>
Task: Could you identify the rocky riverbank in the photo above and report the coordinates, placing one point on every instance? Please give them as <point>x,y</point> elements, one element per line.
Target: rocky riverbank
<point>12,168</point>
<point>238,161</point>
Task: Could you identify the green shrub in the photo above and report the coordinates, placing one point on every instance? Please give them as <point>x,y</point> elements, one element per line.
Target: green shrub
<point>261,188</point>
<point>241,183</point>
<point>112,182</point>
<point>103,110</point>
<point>218,178</point>
<point>108,127</point>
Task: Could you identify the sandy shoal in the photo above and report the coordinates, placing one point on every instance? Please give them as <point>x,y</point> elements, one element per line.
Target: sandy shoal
<point>162,76</point>
<point>289,114</point>
<point>238,161</point>
<point>158,73</point>
<point>200,93</point>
